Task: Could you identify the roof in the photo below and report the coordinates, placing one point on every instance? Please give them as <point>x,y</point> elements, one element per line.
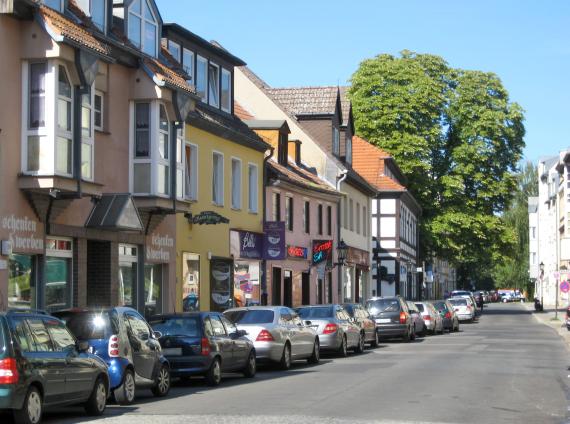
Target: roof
<point>267,124</point>
<point>344,104</point>
<point>300,177</point>
<point>241,112</point>
<point>167,75</point>
<point>115,212</point>
<point>307,100</point>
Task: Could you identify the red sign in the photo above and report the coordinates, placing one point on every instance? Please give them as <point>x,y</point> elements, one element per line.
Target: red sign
<point>297,252</point>
<point>322,251</point>
<point>564,287</point>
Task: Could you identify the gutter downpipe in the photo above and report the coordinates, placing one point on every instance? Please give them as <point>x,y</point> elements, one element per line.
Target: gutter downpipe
<point>339,180</point>
<point>264,209</point>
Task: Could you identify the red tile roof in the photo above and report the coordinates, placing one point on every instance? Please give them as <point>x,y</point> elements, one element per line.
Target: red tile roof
<point>242,113</point>
<point>168,75</point>
<point>368,161</point>
<point>301,177</point>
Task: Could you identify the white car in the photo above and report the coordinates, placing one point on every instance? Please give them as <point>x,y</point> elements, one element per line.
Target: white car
<point>463,307</point>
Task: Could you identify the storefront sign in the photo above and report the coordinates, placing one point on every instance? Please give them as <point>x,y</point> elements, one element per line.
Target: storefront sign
<point>274,240</point>
<point>358,257</point>
<point>23,234</point>
<point>246,244</point>
<point>221,283</point>
<point>158,250</point>
<point>297,252</point>
<point>322,251</point>
<point>209,218</point>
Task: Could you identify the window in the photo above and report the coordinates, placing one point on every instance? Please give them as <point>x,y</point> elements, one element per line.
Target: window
<point>180,162</point>
<point>96,9</point>
<point>214,85</point>
<point>348,152</point>
<point>336,141</point>
<point>351,214</point>
<point>307,217</point>
<point>174,50</point>
<point>276,206</point>
<point>143,27</point>
<point>40,337</point>
<point>230,326</point>
<point>191,164</point>
<point>358,217</point>
<point>226,91</point>
<point>533,232</point>
<point>253,177</point>
<point>59,254</point>
<point>364,221</point>
<point>217,326</point>
<point>55,4</point>
<point>128,261</point>
<point>202,77</point>
<point>345,212</point>
<point>152,289</point>
<point>188,64</point>
<point>141,170</point>
<point>61,338</point>
<point>37,95</point>
<point>329,220</point>
<point>22,334</point>
<point>236,183</point>
<point>63,144</point>
<point>289,212</point>
<point>218,179</point>
<point>98,110</point>
<point>163,152</point>
<point>320,218</point>
<point>87,135</point>
<point>22,281</point>
<point>137,327</point>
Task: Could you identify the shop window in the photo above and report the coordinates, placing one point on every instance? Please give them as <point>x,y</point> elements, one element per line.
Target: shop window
<point>127,274</point>
<point>191,282</point>
<point>143,27</point>
<point>59,256</point>
<point>218,178</point>
<point>214,85</point>
<point>226,91</point>
<point>153,275</point>
<point>22,282</point>
<point>236,183</point>
<point>191,174</point>
<point>246,283</point>
<point>253,188</point>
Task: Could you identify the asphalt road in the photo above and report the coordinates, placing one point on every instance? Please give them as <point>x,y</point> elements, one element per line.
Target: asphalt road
<point>506,368</point>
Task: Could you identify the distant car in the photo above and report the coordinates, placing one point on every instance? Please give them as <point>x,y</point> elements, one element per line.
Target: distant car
<point>419,325</point>
<point>337,331</point>
<point>42,366</point>
<point>204,343</point>
<point>506,297</point>
<point>432,319</point>
<point>277,333</point>
<point>450,320</point>
<point>464,293</point>
<point>392,317</point>
<point>364,320</point>
<point>463,307</point>
<point>125,341</point>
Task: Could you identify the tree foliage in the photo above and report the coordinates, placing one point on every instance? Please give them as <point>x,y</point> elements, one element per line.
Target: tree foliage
<point>457,137</point>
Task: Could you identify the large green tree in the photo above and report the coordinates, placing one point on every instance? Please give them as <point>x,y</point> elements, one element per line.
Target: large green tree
<point>457,137</point>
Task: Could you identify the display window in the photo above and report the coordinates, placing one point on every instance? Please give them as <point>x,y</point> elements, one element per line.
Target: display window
<point>191,282</point>
<point>22,281</point>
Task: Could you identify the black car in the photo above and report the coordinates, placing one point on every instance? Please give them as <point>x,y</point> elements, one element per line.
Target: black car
<point>42,365</point>
<point>364,320</point>
<point>393,319</point>
<point>204,344</point>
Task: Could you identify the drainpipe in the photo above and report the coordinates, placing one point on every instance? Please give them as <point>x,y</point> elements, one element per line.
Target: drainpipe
<point>264,211</point>
<point>339,180</point>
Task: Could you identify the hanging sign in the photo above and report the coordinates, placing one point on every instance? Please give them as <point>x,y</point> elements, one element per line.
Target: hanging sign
<point>297,252</point>
<point>274,240</point>
<point>209,218</point>
<point>322,251</point>
<point>246,244</point>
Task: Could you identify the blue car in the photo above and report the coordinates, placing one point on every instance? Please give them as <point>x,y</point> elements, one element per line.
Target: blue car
<point>125,341</point>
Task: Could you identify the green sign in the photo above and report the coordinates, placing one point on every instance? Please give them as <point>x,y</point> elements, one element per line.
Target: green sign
<point>209,218</point>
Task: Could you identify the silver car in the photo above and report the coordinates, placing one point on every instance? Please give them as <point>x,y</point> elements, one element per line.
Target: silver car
<point>337,331</point>
<point>432,318</point>
<point>464,308</point>
<point>277,333</point>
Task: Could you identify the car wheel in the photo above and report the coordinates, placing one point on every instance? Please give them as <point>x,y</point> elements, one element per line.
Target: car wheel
<point>343,349</point>
<point>97,402</point>
<point>407,337</point>
<point>214,374</point>
<point>316,355</point>
<point>375,341</point>
<point>285,362</point>
<point>250,366</point>
<point>125,393</point>
<point>360,347</point>
<point>31,412</point>
<point>162,385</point>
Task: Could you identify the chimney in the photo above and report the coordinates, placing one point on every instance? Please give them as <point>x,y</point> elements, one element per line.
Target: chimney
<point>294,149</point>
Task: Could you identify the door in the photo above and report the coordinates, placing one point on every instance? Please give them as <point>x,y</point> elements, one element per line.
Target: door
<point>222,342</point>
<point>357,285</point>
<point>276,286</point>
<point>320,290</point>
<point>305,335</point>
<point>289,330</point>
<point>306,288</point>
<point>144,351</point>
<point>330,287</point>
<point>240,347</point>
<point>288,288</point>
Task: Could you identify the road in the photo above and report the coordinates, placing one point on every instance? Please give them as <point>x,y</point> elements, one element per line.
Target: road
<point>506,368</point>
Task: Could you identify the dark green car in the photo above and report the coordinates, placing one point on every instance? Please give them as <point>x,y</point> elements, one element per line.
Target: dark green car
<point>42,365</point>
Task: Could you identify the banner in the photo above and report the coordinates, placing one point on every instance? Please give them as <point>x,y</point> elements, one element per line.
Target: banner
<point>274,240</point>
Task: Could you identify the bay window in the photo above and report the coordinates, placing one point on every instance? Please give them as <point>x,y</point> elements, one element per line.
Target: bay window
<point>143,27</point>
<point>163,152</point>
<point>214,85</point>
<point>218,178</point>
<point>180,162</point>
<point>87,135</point>
<point>226,91</point>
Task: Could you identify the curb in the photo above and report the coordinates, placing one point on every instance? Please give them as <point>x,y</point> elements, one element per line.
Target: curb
<point>559,327</point>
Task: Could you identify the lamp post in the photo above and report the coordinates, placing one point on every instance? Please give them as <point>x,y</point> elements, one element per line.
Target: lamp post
<point>541,277</point>
<point>342,251</point>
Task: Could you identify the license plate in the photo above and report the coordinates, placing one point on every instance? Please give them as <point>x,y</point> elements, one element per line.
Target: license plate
<point>173,351</point>
<point>383,320</point>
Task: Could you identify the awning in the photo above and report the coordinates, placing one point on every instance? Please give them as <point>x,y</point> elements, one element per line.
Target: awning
<point>115,212</point>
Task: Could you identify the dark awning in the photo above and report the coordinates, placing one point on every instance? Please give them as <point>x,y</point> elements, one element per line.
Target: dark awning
<point>115,212</point>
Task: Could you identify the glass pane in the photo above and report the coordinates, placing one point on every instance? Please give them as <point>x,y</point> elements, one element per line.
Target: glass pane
<point>64,87</point>
<point>226,90</point>
<point>37,95</point>
<point>58,273</point>
<point>147,11</point>
<point>127,280</point>
<point>201,78</point>
<point>213,84</point>
<point>54,4</point>
<point>149,39</point>
<point>163,145</point>
<point>163,119</point>
<point>98,13</point>
<point>163,179</point>
<point>85,121</point>
<point>33,153</point>
<point>86,161</point>
<point>21,284</point>
<point>64,115</point>
<point>141,178</point>
<point>174,49</point>
<point>191,171</point>
<point>142,143</point>
<point>179,183</point>
<point>136,7</point>
<point>135,30</point>
<point>179,144</point>
<point>63,155</point>
<point>188,63</point>
<point>152,287</point>
<point>98,120</point>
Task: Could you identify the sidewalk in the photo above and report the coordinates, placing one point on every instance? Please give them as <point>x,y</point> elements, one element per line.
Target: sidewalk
<point>547,318</point>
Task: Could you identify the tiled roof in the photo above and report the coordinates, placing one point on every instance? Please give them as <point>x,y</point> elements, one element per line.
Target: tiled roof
<point>241,113</point>
<point>345,104</point>
<point>368,161</point>
<point>307,100</point>
<point>168,75</point>
<point>298,175</point>
<point>60,25</point>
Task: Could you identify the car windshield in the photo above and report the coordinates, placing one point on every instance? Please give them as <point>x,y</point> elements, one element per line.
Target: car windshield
<point>177,326</point>
<point>383,305</point>
<point>420,306</point>
<point>458,302</point>
<point>315,312</point>
<point>461,293</point>
<point>90,325</point>
<point>252,316</point>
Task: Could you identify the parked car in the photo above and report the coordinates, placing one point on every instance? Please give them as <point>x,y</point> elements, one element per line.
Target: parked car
<point>567,318</point>
<point>506,297</point>
<point>494,296</point>
<point>432,319</point>
<point>463,307</point>
<point>277,333</point>
<point>42,366</point>
<point>419,325</point>
<point>125,341</point>
<point>392,317</point>
<point>205,344</point>
<point>364,320</point>
<point>337,331</point>
<point>450,320</point>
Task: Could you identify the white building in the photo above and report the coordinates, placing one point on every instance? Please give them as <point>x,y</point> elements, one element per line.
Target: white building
<point>533,263</point>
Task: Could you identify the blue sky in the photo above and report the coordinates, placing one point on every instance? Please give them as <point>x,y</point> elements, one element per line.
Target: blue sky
<point>320,42</point>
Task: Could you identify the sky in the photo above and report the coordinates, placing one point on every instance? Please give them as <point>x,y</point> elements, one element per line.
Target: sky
<point>296,43</point>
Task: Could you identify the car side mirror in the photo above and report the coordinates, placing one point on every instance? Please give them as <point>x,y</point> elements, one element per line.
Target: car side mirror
<point>308,322</point>
<point>82,346</point>
<point>157,334</point>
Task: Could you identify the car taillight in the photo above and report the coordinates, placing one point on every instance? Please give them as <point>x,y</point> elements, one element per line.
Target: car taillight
<point>114,346</point>
<point>427,317</point>
<point>330,328</point>
<point>205,346</point>
<point>8,371</point>
<point>448,314</point>
<point>264,336</point>
<point>403,317</point>
<point>468,307</point>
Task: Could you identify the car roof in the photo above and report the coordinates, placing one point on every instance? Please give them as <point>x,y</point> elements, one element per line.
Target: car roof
<point>182,315</point>
<point>256,308</point>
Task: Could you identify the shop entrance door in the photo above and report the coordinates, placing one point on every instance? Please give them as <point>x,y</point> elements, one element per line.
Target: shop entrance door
<point>276,286</point>
<point>320,290</point>
<point>288,288</point>
<point>306,288</point>
<point>99,274</point>
<point>357,285</point>
<point>330,287</point>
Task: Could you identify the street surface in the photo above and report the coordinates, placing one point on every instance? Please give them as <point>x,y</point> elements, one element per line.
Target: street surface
<point>506,368</point>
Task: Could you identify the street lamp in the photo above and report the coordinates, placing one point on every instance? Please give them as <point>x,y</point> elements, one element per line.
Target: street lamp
<point>342,251</point>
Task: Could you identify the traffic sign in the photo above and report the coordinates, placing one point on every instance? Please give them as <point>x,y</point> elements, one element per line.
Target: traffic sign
<point>564,286</point>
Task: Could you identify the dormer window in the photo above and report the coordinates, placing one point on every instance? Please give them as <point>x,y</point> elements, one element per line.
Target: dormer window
<point>55,4</point>
<point>143,27</point>
<point>214,85</point>
<point>348,149</point>
<point>97,10</point>
<point>336,141</point>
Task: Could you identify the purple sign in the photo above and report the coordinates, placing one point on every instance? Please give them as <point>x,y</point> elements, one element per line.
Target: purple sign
<point>246,244</point>
<point>274,240</point>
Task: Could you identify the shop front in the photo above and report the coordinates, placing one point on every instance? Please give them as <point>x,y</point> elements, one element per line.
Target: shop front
<point>357,268</point>
<point>246,247</point>
<point>322,260</point>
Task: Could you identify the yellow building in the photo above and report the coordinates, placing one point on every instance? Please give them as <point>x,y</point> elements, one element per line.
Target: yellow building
<point>219,244</point>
